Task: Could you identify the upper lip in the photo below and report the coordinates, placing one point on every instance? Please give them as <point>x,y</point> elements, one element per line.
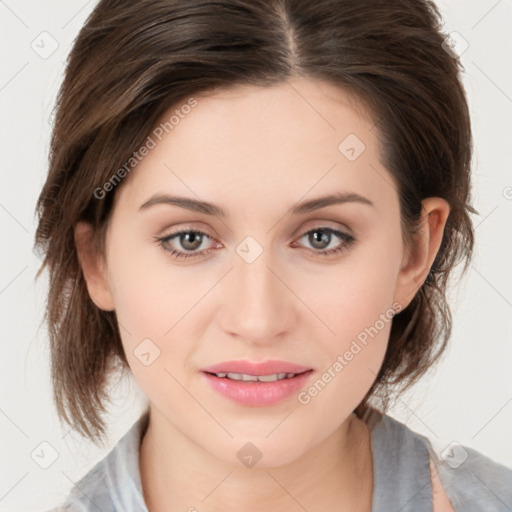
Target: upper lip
<point>251,368</point>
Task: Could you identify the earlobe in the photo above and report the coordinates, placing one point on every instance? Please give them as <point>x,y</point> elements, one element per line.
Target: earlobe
<point>93,267</point>
<point>424,248</point>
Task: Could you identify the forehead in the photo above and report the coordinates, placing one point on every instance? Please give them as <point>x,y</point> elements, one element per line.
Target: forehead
<point>249,143</point>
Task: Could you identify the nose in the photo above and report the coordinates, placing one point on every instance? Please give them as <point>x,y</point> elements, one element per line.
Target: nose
<point>258,306</point>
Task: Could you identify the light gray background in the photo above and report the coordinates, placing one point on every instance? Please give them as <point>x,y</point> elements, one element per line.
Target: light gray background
<point>468,398</point>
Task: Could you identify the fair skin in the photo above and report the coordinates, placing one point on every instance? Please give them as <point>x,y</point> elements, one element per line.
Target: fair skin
<point>256,152</point>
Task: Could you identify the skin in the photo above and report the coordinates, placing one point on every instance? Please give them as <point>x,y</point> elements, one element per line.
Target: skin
<point>256,152</point>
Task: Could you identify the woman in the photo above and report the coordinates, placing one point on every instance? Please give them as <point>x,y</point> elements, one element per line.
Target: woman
<point>254,207</point>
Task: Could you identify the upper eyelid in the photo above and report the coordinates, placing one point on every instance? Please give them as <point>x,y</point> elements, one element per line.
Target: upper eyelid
<point>186,230</point>
<point>311,223</point>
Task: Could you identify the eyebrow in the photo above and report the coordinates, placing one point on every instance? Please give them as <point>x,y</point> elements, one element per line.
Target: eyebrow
<point>212,209</point>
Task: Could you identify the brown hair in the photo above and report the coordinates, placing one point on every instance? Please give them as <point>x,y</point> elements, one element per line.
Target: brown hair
<point>135,59</point>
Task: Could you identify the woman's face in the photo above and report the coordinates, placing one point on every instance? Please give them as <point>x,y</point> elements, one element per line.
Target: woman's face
<point>269,279</point>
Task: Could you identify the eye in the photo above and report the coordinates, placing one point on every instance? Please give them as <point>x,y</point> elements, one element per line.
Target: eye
<point>189,240</point>
<point>321,238</point>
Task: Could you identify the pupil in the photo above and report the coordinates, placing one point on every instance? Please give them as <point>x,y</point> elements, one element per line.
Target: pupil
<point>190,244</point>
<point>320,241</point>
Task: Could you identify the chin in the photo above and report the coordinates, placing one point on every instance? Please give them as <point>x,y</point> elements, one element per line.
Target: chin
<point>258,453</point>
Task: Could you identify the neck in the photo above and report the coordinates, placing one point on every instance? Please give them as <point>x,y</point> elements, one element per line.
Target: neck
<point>177,474</point>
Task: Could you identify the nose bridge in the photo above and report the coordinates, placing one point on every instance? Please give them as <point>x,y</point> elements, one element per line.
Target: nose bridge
<point>258,305</point>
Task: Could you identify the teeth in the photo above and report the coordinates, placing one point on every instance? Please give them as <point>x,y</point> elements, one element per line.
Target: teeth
<point>269,378</point>
<point>255,378</point>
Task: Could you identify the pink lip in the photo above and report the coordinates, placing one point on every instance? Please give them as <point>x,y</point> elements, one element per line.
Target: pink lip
<point>264,368</point>
<point>257,394</point>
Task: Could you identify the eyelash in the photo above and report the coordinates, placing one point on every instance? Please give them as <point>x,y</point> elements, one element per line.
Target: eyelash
<point>347,239</point>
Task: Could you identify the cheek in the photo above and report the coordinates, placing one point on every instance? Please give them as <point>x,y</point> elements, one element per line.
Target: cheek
<point>151,294</point>
<point>155,325</point>
<point>157,304</point>
<point>353,295</point>
<point>357,305</point>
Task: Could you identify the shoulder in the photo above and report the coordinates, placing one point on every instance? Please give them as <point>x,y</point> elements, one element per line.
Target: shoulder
<point>471,481</point>
<point>90,493</point>
<point>113,484</point>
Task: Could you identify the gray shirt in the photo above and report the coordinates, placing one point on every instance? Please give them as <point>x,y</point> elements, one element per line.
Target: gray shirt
<point>402,481</point>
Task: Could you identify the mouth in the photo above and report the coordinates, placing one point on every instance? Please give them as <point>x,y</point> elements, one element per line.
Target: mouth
<point>257,384</point>
<point>245,377</point>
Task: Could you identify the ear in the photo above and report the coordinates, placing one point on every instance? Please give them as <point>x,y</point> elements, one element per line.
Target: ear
<point>425,245</point>
<point>93,267</point>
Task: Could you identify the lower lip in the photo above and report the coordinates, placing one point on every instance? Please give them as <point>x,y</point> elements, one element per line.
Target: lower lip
<point>257,394</point>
